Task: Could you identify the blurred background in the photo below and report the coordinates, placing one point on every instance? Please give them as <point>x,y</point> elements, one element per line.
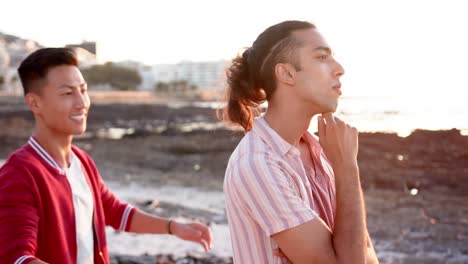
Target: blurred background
<point>156,71</point>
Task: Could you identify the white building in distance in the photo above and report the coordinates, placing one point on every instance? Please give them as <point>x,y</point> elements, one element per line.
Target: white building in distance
<point>202,74</point>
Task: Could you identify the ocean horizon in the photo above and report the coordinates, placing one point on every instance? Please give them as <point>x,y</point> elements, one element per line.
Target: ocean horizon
<point>391,114</point>
<point>402,115</point>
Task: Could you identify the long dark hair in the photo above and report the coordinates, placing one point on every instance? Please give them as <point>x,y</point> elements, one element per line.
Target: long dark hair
<point>251,78</point>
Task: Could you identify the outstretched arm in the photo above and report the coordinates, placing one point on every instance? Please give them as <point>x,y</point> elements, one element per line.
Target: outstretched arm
<point>151,224</point>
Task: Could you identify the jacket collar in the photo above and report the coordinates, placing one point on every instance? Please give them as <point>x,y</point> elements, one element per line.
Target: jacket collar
<point>44,155</point>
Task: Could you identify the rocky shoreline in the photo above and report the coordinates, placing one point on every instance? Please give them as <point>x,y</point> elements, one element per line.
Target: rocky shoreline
<point>416,188</point>
<point>175,139</point>
<point>169,259</point>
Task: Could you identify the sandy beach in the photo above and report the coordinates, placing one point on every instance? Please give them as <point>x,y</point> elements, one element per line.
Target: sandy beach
<point>169,159</point>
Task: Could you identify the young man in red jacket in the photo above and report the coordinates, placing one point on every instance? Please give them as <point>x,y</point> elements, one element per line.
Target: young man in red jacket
<point>54,206</point>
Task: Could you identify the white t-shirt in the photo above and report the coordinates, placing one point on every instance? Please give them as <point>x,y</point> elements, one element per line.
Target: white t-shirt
<point>84,207</point>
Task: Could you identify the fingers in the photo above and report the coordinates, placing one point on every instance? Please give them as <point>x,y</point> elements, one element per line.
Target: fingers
<point>206,239</point>
<point>277,252</point>
<point>333,122</point>
<point>339,122</point>
<point>209,237</point>
<point>328,121</point>
<point>205,245</point>
<point>202,235</point>
<point>329,118</point>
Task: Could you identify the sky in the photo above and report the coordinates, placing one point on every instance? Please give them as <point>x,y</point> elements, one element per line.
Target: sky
<point>388,48</point>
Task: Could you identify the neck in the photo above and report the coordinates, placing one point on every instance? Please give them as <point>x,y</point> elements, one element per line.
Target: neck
<point>288,121</point>
<point>58,146</point>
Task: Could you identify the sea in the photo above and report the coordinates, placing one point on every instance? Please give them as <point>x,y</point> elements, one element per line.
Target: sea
<point>401,115</point>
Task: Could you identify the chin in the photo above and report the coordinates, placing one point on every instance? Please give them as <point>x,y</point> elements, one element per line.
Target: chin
<point>330,109</point>
<point>79,132</point>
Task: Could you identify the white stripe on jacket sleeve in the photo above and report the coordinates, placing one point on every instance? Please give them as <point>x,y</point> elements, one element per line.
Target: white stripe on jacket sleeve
<point>123,222</point>
<point>22,258</point>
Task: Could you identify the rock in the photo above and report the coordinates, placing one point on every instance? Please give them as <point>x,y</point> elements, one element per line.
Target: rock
<point>169,259</point>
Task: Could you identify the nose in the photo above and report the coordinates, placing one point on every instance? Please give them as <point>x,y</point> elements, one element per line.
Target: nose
<point>82,100</point>
<point>339,70</point>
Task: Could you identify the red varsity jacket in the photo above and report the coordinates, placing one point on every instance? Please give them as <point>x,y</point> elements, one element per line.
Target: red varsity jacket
<point>37,218</point>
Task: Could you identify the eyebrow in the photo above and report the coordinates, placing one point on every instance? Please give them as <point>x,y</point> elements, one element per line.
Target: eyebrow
<point>68,86</point>
<point>324,48</point>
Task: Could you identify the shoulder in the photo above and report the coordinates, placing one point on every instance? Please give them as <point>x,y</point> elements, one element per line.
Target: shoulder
<point>253,162</point>
<point>20,166</point>
<point>22,159</point>
<point>250,146</point>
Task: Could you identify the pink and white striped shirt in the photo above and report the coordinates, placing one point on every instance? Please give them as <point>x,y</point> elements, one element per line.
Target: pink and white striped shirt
<point>270,189</point>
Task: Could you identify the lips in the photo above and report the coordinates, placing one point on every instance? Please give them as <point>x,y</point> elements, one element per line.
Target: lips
<point>337,88</point>
<point>79,117</point>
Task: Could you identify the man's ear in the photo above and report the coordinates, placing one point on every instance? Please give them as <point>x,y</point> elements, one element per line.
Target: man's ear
<point>285,73</point>
<point>32,100</point>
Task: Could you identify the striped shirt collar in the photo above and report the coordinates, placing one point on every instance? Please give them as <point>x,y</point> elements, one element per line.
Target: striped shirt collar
<point>277,143</point>
<point>270,137</point>
<point>44,155</point>
<point>313,141</point>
